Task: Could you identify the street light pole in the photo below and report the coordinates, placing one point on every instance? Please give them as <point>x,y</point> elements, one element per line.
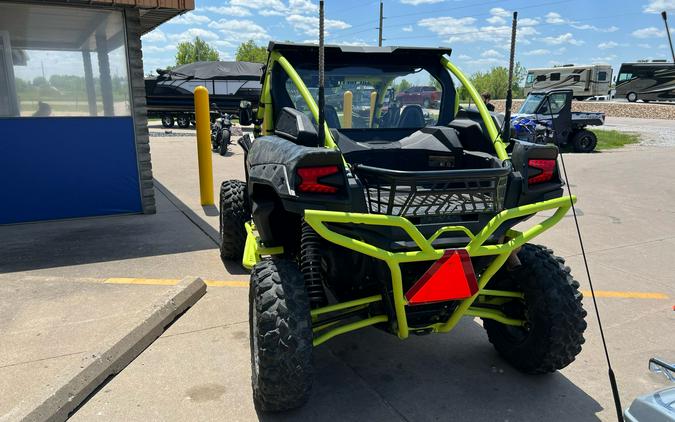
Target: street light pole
<point>670,41</point>
<point>379,42</point>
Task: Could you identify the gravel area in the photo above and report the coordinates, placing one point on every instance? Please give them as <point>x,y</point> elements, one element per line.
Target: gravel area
<point>613,109</point>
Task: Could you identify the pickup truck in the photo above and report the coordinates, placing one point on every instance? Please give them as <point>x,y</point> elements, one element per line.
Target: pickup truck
<point>426,96</point>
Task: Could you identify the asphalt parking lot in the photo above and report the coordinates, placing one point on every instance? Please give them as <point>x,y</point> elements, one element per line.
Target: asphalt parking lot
<point>67,285</point>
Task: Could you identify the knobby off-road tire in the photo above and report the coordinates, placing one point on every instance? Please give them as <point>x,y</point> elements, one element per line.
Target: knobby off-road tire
<point>235,210</point>
<point>224,141</point>
<point>552,307</point>
<point>584,141</point>
<point>281,336</point>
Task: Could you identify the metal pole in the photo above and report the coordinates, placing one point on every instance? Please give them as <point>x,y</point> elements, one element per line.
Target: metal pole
<point>347,110</point>
<point>506,133</point>
<point>322,116</point>
<point>670,41</point>
<point>379,42</point>
<point>203,124</point>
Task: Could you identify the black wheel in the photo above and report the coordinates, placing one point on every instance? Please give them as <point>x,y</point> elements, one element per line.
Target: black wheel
<point>552,308</point>
<point>632,97</point>
<point>426,103</point>
<point>167,120</point>
<point>224,141</point>
<point>281,336</point>
<point>183,121</point>
<point>215,139</point>
<point>235,210</point>
<point>584,141</point>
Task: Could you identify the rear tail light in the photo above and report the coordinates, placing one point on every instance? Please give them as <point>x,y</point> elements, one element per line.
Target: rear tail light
<point>545,166</point>
<point>450,278</point>
<point>310,179</point>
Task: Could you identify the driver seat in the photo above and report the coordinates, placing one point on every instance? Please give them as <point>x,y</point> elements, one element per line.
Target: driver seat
<point>412,116</point>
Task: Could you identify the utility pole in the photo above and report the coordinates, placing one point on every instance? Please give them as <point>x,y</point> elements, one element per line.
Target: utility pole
<point>379,42</point>
<point>663,15</point>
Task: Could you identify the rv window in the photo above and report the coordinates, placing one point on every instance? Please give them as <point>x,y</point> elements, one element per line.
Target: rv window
<point>555,76</point>
<point>625,76</point>
<point>576,78</point>
<point>541,78</point>
<point>602,76</point>
<point>530,79</point>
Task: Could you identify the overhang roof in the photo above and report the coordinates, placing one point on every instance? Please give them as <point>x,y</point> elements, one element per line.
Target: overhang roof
<point>153,12</point>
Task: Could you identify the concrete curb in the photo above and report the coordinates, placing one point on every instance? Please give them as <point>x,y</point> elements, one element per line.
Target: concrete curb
<point>116,354</point>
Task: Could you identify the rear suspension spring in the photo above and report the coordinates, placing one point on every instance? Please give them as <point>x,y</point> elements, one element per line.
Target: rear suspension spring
<point>310,265</point>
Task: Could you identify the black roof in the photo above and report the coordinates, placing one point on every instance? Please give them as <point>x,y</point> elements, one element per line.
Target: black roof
<point>343,54</point>
<point>216,70</point>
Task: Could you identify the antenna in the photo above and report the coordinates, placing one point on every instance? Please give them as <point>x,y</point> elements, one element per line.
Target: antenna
<point>670,41</point>
<point>506,132</point>
<point>322,116</point>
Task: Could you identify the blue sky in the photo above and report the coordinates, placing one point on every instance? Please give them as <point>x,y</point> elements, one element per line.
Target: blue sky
<point>550,31</point>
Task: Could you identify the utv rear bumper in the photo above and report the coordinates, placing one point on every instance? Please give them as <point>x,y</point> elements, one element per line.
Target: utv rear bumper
<point>320,221</point>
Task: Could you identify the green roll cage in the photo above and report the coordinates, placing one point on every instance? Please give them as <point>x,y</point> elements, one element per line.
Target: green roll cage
<point>317,219</point>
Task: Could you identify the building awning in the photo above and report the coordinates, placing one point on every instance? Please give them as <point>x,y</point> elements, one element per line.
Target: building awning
<point>153,12</point>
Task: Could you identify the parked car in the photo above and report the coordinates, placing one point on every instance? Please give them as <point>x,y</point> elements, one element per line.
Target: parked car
<point>426,96</point>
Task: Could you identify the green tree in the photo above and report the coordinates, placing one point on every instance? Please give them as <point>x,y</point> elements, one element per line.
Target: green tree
<point>249,51</point>
<point>195,51</point>
<point>496,82</point>
<point>402,86</point>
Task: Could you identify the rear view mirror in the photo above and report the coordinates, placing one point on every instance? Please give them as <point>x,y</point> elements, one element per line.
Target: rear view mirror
<point>245,113</point>
<point>541,78</point>
<point>214,106</point>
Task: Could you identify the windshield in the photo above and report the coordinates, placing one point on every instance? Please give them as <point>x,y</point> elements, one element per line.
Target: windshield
<point>531,104</point>
<point>380,97</point>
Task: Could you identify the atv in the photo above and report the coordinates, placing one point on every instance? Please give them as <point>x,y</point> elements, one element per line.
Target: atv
<point>547,116</point>
<point>389,221</point>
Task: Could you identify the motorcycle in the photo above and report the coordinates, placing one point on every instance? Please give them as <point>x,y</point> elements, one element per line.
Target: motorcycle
<point>221,133</point>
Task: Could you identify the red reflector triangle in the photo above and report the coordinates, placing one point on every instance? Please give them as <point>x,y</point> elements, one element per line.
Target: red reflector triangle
<point>449,278</point>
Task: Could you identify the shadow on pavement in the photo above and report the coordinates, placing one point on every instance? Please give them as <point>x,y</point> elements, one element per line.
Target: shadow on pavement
<point>455,376</point>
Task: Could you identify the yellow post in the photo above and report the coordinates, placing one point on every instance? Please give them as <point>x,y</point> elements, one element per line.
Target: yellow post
<point>203,123</point>
<point>347,109</point>
<point>373,98</point>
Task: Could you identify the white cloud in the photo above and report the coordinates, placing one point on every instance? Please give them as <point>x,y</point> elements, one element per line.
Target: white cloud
<point>644,45</point>
<point>237,11</point>
<point>154,36</point>
<point>656,6</point>
<point>309,25</point>
<point>303,7</point>
<point>465,30</point>
<point>190,18</point>
<point>260,4</point>
<point>240,30</point>
<point>445,25</point>
<point>158,49</point>
<point>464,57</point>
<point>555,18</point>
<point>604,59</point>
<point>498,16</point>
<point>408,28</point>
<point>491,53</point>
<point>191,33</point>
<point>418,2</point>
<point>537,52</point>
<point>611,44</point>
<point>650,32</point>
<point>567,38</point>
<point>528,22</point>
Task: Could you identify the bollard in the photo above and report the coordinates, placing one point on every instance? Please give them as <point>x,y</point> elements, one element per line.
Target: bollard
<point>203,124</point>
<point>347,110</point>
<point>373,98</point>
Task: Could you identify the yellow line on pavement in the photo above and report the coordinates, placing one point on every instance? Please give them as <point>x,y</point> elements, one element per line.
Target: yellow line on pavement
<point>171,282</point>
<point>220,283</point>
<point>625,295</point>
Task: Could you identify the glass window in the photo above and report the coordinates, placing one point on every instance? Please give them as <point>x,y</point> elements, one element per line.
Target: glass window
<point>576,78</point>
<point>188,87</point>
<point>625,76</point>
<point>55,61</point>
<point>555,76</point>
<point>556,102</point>
<point>602,76</point>
<point>381,97</point>
<point>530,79</point>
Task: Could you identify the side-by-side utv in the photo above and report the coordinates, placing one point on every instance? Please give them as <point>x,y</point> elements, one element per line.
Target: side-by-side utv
<point>390,220</point>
